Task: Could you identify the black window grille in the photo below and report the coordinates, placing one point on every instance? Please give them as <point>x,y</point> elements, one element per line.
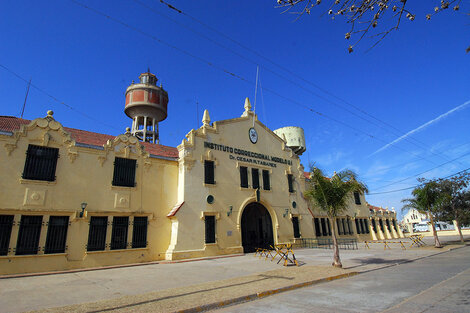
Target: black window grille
<point>357,198</point>
<point>139,233</point>
<point>387,222</point>
<point>124,172</point>
<point>56,234</point>
<point>366,222</point>
<point>40,163</point>
<point>119,232</point>
<point>29,233</point>
<point>351,231</point>
<point>395,225</point>
<point>255,178</point>
<point>290,181</point>
<point>210,228</point>
<point>374,225</point>
<point>243,177</point>
<point>323,226</point>
<point>97,233</point>
<point>266,181</point>
<point>358,230</point>
<point>363,228</point>
<point>209,172</point>
<point>295,224</point>
<point>316,222</point>
<point>6,223</point>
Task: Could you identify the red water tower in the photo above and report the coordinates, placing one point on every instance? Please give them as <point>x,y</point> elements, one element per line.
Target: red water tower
<point>146,104</point>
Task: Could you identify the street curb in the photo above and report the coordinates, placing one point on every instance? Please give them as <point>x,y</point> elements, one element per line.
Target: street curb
<point>89,269</point>
<point>259,295</point>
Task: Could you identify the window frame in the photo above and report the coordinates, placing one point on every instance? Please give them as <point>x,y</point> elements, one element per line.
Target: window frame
<point>266,180</point>
<point>209,172</point>
<point>124,173</point>
<point>29,230</point>
<point>40,167</point>
<point>255,183</point>
<point>100,239</point>
<point>210,232</point>
<point>6,226</point>
<point>56,238</point>
<point>244,177</point>
<point>290,182</point>
<point>119,232</point>
<point>142,228</point>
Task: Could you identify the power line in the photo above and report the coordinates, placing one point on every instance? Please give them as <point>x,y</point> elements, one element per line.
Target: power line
<point>54,98</point>
<point>399,181</point>
<point>408,139</point>
<point>209,63</point>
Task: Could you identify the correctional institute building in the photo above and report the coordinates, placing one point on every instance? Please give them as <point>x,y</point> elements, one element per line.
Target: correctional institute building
<point>76,199</point>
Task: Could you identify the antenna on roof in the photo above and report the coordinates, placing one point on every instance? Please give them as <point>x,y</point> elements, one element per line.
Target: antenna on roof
<point>256,90</point>
<point>25,98</point>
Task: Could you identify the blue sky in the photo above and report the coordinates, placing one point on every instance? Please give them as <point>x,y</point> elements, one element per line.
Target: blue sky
<point>414,76</point>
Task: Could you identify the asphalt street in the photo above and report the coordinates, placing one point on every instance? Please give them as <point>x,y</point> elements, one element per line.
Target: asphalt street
<point>439,283</point>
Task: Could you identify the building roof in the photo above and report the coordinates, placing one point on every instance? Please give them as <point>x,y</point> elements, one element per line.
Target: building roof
<point>376,208</point>
<point>11,124</point>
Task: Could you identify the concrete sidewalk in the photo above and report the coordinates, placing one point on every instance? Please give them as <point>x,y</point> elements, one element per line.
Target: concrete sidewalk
<point>191,285</point>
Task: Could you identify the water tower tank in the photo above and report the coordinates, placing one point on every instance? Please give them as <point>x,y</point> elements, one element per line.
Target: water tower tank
<point>146,104</point>
<point>294,136</point>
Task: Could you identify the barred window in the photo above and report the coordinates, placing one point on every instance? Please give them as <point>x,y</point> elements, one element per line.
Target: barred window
<point>210,228</point>
<point>255,178</point>
<point>139,233</point>
<point>366,222</point>
<point>395,224</point>
<point>358,230</point>
<point>119,232</point>
<point>381,224</point>
<point>29,233</point>
<point>243,177</point>
<point>6,223</point>
<point>56,234</point>
<point>329,226</point>
<point>317,227</point>
<point>209,172</point>
<point>346,226</point>
<point>361,222</point>
<point>40,163</point>
<point>295,224</point>
<point>266,181</point>
<point>124,172</point>
<point>290,181</point>
<point>357,198</point>
<point>97,233</point>
<point>387,222</point>
<point>351,231</point>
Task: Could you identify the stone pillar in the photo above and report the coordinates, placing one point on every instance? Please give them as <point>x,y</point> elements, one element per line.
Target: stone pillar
<point>14,234</point>
<point>43,235</point>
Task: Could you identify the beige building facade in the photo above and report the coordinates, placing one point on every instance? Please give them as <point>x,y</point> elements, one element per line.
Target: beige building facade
<point>76,199</point>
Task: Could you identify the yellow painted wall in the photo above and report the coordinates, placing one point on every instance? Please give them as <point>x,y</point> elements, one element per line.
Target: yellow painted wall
<point>84,175</point>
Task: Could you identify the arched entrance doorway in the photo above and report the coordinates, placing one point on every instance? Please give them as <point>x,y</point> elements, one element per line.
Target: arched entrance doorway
<point>257,227</point>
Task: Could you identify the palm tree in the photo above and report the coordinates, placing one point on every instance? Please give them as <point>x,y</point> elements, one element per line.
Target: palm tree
<point>427,200</point>
<point>332,195</point>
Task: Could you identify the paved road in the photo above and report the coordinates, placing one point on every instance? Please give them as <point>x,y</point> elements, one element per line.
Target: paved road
<point>439,283</point>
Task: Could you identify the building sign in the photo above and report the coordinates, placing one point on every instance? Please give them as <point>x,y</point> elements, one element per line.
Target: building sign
<point>247,156</point>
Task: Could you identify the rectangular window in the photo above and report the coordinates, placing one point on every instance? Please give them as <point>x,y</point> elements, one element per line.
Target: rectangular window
<point>40,163</point>
<point>357,198</point>
<point>139,233</point>
<point>290,180</point>
<point>29,233</point>
<point>209,172</point>
<point>387,222</point>
<point>395,225</point>
<point>295,224</point>
<point>366,222</point>
<point>97,233</point>
<point>266,182</point>
<point>381,224</point>
<point>6,223</point>
<point>358,230</point>
<point>255,178</point>
<point>119,232</point>
<point>210,228</point>
<point>317,227</point>
<point>56,234</point>
<point>243,177</point>
<point>124,172</point>
<point>361,223</point>
<point>346,226</point>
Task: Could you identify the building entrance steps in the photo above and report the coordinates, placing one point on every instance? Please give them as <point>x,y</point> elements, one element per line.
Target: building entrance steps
<point>190,286</point>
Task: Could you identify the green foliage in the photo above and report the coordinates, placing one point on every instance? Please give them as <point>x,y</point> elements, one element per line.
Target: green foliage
<point>332,194</point>
<point>457,198</point>
<point>427,198</point>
